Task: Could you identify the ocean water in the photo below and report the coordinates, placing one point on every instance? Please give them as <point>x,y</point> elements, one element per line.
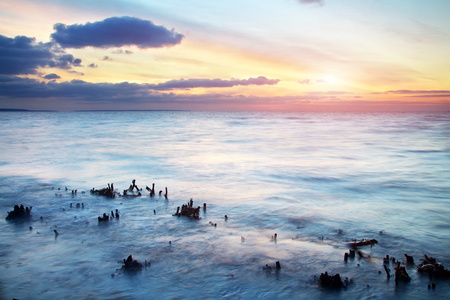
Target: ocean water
<point>317,180</point>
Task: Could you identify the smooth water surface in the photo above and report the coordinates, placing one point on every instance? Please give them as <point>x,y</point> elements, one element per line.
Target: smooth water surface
<point>318,180</point>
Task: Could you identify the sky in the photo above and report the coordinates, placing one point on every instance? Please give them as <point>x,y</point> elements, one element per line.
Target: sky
<point>246,55</point>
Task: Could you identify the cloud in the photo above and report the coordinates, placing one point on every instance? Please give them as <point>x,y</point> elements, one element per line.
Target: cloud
<point>65,61</point>
<point>213,83</point>
<point>76,73</point>
<point>305,81</point>
<point>433,96</point>
<point>409,92</point>
<point>120,51</point>
<point>93,65</point>
<point>422,93</point>
<point>18,92</point>
<point>77,62</point>
<point>107,58</point>
<point>52,76</point>
<point>115,32</point>
<point>22,55</point>
<point>17,87</point>
<point>123,95</point>
<point>318,2</point>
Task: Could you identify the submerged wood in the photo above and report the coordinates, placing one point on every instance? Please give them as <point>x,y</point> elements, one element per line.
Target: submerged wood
<point>188,210</point>
<point>107,191</point>
<point>363,242</point>
<point>131,265</point>
<point>331,282</point>
<point>401,274</point>
<point>430,266</point>
<point>19,213</point>
<point>104,218</point>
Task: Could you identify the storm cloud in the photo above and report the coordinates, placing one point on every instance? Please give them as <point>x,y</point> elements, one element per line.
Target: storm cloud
<point>52,76</point>
<point>115,32</point>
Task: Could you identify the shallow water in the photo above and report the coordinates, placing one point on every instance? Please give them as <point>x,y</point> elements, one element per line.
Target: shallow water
<point>317,180</point>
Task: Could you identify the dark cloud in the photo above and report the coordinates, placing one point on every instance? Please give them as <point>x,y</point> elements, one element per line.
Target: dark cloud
<point>16,87</point>
<point>107,58</point>
<point>111,96</point>
<point>52,76</point>
<point>115,32</point>
<point>77,62</point>
<point>17,92</point>
<point>22,55</point>
<point>65,61</point>
<point>213,83</point>
<point>93,65</point>
<point>318,2</point>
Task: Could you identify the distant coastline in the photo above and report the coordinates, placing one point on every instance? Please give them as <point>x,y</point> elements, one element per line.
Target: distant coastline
<point>92,110</point>
<point>98,110</point>
<point>23,110</point>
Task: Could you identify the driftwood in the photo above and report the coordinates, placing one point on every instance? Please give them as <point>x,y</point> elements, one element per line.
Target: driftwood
<point>19,213</point>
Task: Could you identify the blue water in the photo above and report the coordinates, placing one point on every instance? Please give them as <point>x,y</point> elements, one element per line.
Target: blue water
<point>318,180</point>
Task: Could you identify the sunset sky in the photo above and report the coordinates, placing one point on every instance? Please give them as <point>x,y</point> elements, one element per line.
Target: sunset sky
<point>281,55</point>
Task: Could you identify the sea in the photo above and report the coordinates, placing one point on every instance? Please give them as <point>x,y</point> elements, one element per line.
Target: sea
<point>293,188</point>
